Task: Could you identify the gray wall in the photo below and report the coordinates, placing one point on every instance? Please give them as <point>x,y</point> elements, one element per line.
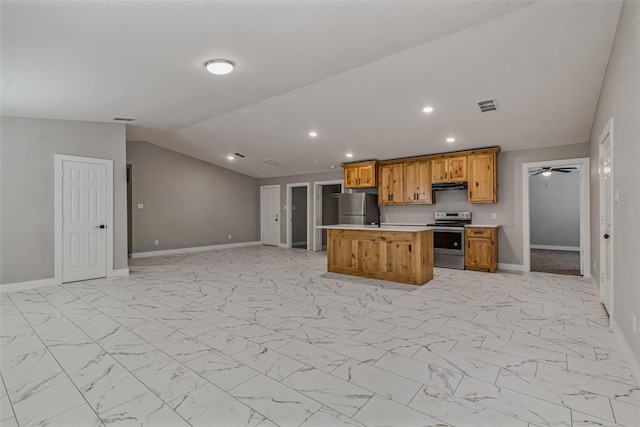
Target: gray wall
<point>27,188</point>
<point>620,100</point>
<point>284,180</point>
<point>508,208</point>
<point>299,214</point>
<point>188,202</point>
<point>554,209</point>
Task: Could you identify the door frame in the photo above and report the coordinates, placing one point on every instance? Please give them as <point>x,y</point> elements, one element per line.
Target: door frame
<point>607,131</point>
<point>273,186</point>
<point>585,239</point>
<point>58,192</point>
<point>289,214</point>
<point>317,210</point>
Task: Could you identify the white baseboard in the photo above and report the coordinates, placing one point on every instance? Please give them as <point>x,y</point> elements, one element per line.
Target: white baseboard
<point>283,245</point>
<point>189,250</point>
<point>23,286</point>
<point>634,364</point>
<point>510,267</point>
<point>556,248</point>
<point>122,272</point>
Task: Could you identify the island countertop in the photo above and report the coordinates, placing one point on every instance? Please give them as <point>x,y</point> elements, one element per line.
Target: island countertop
<point>383,227</point>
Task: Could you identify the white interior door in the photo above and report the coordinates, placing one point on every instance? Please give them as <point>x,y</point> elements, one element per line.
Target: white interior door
<point>269,215</point>
<point>317,219</point>
<point>84,221</point>
<point>606,237</point>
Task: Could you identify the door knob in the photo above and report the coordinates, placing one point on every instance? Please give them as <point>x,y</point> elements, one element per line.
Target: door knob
<point>606,236</point>
<point>100,226</point>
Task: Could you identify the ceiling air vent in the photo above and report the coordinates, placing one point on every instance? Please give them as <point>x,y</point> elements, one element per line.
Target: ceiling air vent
<point>123,119</point>
<point>239,155</point>
<point>488,105</point>
<point>274,163</point>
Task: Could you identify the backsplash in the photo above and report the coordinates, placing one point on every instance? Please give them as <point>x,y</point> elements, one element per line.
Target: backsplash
<point>445,201</point>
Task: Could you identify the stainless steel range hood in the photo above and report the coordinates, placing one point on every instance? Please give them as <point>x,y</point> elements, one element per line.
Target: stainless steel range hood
<point>449,186</point>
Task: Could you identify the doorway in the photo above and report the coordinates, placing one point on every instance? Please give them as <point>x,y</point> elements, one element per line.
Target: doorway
<point>269,215</point>
<point>556,217</point>
<point>606,237</point>
<point>298,209</point>
<point>83,218</point>
<point>325,210</point>
<point>129,212</point>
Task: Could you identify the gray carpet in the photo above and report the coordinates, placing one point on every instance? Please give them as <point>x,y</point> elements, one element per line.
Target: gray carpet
<point>558,262</point>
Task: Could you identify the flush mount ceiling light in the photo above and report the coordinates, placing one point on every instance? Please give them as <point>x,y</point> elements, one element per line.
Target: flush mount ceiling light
<point>451,139</point>
<point>313,134</point>
<point>349,155</point>
<point>219,66</point>
<point>427,109</point>
<point>230,158</point>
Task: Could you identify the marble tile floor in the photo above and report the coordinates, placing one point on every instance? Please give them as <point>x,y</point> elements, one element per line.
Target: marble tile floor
<point>263,336</point>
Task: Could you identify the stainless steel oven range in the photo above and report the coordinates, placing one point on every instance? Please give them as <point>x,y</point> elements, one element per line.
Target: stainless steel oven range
<point>448,239</point>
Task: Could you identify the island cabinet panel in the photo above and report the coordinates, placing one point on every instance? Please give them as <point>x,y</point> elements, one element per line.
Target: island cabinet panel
<point>405,257</point>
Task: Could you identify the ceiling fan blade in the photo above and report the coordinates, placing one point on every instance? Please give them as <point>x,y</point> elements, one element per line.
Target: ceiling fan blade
<point>538,172</point>
<point>563,169</point>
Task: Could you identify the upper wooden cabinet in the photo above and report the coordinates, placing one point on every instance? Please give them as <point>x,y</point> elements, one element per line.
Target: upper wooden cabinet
<point>482,174</point>
<point>360,175</point>
<point>417,182</point>
<point>391,186</point>
<point>405,183</point>
<point>449,169</point>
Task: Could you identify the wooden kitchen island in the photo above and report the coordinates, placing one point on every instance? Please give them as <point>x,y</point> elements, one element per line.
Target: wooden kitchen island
<point>398,254</point>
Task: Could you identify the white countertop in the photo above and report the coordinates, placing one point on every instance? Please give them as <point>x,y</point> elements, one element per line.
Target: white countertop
<point>484,225</point>
<point>384,227</point>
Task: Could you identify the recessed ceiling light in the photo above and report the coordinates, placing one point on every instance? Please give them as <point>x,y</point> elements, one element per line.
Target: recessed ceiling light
<point>313,134</point>
<point>349,155</point>
<point>219,66</point>
<point>230,158</point>
<point>427,109</point>
<point>451,139</point>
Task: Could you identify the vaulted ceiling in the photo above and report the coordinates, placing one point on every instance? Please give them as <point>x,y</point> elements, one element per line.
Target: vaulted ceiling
<point>357,73</point>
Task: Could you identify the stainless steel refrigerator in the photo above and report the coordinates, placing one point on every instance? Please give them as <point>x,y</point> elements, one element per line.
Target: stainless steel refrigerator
<point>358,208</point>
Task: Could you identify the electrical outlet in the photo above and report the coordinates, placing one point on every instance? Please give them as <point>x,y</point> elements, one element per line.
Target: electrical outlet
<point>155,243</point>
<point>494,215</point>
<point>229,236</point>
<point>635,323</point>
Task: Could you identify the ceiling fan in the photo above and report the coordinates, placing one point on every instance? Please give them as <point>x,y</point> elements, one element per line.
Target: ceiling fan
<point>548,171</point>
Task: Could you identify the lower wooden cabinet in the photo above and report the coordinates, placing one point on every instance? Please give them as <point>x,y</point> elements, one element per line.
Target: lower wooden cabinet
<point>405,257</point>
<point>482,248</point>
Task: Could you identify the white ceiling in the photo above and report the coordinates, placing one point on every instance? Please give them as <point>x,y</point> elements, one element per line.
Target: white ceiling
<point>357,72</point>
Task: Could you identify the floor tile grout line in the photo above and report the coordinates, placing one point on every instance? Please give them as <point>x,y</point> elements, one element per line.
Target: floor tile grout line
<point>59,365</point>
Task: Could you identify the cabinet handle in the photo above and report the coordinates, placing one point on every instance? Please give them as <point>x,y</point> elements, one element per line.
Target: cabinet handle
<point>471,194</point>
<point>478,232</point>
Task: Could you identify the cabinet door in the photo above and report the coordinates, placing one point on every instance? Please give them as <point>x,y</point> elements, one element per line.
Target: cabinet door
<point>410,176</point>
<point>390,190</point>
<point>351,177</point>
<point>425,195</point>
<point>458,168</point>
<point>479,253</point>
<point>365,173</point>
<point>482,182</point>
<point>440,170</point>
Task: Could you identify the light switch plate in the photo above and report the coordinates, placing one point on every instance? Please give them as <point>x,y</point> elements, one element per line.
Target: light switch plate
<point>616,196</point>
<point>140,205</point>
<point>494,215</point>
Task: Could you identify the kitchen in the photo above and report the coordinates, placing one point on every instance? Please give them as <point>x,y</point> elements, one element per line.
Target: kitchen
<point>407,251</point>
